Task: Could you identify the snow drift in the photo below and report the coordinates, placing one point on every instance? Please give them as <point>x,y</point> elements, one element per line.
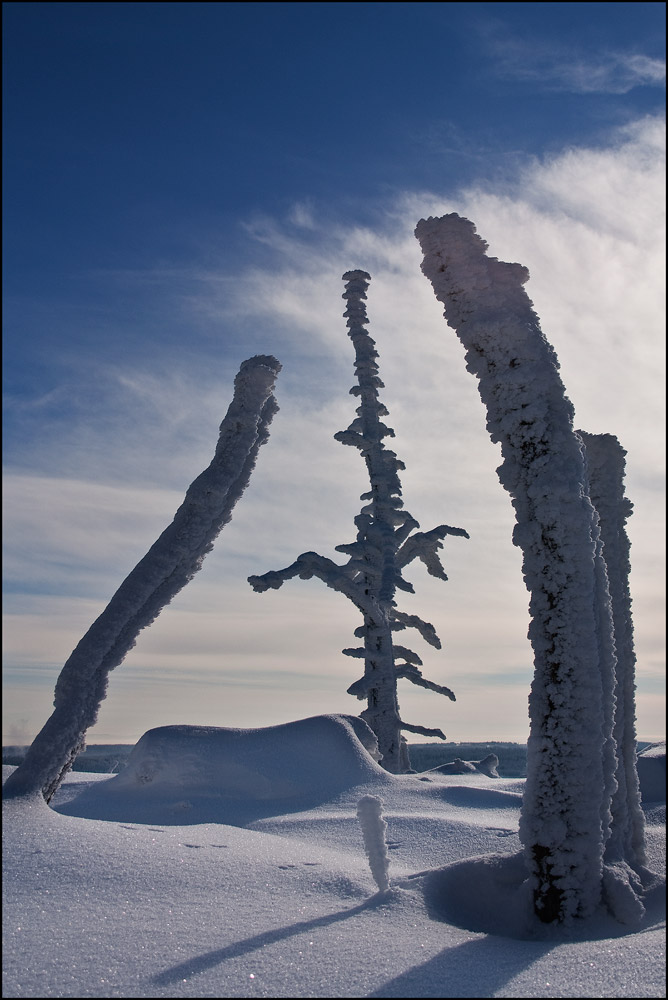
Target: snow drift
<point>204,774</point>
<point>651,765</point>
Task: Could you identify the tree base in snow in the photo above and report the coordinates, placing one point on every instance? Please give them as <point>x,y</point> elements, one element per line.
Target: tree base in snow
<point>492,894</point>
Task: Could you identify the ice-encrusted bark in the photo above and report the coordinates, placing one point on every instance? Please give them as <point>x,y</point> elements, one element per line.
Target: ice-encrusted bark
<point>605,460</point>
<point>383,546</point>
<point>168,566</point>
<point>566,815</point>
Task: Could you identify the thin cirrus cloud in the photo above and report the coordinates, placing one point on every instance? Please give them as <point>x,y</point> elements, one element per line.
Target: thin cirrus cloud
<point>587,224</point>
<point>568,69</point>
<point>610,73</point>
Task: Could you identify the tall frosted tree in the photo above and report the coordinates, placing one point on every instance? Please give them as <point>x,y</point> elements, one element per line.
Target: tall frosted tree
<point>386,542</point>
<point>567,824</point>
<point>605,468</point>
<point>167,567</point>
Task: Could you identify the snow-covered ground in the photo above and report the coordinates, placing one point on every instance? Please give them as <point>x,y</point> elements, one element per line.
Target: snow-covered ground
<point>230,863</point>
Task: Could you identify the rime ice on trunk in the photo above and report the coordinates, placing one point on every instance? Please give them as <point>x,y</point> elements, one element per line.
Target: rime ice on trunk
<point>605,470</point>
<point>384,545</point>
<point>566,816</point>
<point>168,566</point>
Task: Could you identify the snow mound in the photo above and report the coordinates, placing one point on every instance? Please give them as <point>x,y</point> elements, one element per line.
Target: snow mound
<point>488,765</point>
<point>204,774</point>
<point>651,764</point>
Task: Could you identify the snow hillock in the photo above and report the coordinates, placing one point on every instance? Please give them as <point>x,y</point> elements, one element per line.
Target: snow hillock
<point>651,765</point>
<point>206,774</point>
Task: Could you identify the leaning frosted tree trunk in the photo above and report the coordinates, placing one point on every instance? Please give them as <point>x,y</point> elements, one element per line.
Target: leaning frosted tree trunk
<point>167,567</point>
<point>565,820</point>
<point>605,469</point>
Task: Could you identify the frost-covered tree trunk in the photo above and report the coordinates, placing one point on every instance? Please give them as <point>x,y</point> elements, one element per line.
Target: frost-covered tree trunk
<point>565,822</point>
<point>167,567</point>
<point>605,469</point>
<point>377,543</point>
<point>384,545</point>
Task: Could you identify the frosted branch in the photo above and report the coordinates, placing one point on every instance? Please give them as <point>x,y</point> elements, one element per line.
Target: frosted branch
<point>408,654</point>
<point>423,730</point>
<point>360,688</point>
<point>426,630</point>
<point>411,673</point>
<point>309,565</point>
<point>424,545</point>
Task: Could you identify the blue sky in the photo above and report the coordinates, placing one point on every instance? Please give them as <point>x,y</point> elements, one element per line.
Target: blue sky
<point>184,186</point>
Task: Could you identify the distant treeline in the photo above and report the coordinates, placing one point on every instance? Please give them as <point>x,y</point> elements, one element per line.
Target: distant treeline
<point>101,758</point>
<point>110,758</point>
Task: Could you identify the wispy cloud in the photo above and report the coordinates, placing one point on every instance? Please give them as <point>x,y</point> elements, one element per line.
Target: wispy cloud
<point>301,214</point>
<point>569,69</point>
<point>609,73</point>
